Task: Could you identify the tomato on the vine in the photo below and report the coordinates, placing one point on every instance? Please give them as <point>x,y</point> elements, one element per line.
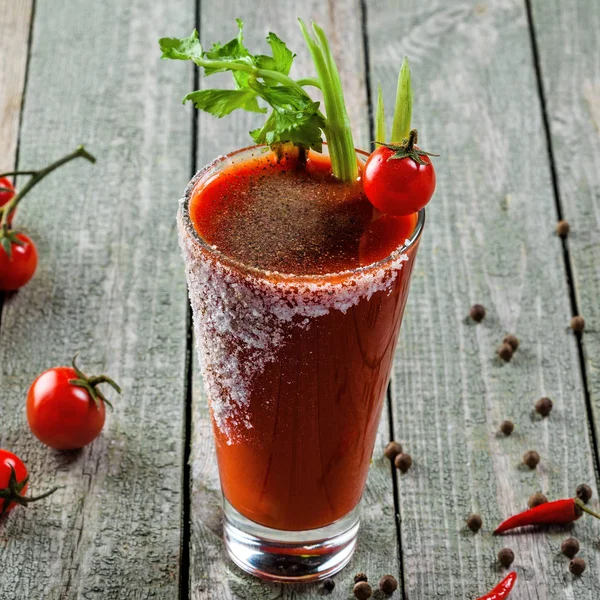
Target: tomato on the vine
<point>14,479</point>
<point>18,268</point>
<point>399,179</point>
<point>65,410</point>
<point>7,192</point>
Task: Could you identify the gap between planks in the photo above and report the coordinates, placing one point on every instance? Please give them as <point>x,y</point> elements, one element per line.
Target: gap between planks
<point>568,261</point>
<point>16,25</point>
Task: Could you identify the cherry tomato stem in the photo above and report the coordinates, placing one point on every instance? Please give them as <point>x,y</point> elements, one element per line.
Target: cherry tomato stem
<point>37,176</point>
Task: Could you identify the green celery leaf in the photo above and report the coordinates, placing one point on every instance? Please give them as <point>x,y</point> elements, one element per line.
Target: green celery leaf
<point>283,57</point>
<point>221,102</point>
<point>283,96</point>
<point>187,48</point>
<point>232,51</point>
<point>295,118</point>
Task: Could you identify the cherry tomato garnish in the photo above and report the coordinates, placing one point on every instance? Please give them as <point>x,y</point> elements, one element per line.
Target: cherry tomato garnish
<point>8,460</point>
<point>399,179</point>
<point>19,268</point>
<point>64,409</point>
<point>6,195</point>
<point>13,483</point>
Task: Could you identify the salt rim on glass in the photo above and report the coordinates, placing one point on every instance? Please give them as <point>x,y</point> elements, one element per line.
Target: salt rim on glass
<point>242,314</point>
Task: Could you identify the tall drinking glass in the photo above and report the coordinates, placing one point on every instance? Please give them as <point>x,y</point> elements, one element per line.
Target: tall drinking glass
<point>296,369</point>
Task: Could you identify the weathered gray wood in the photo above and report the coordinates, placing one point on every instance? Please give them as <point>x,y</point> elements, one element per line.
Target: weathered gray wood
<point>489,239</point>
<point>569,54</point>
<point>15,18</point>
<point>212,575</point>
<point>110,285</point>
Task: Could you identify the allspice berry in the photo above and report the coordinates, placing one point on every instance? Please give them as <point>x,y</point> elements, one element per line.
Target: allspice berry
<point>505,352</point>
<point>512,341</point>
<point>563,228</point>
<point>577,324</point>
<point>474,523</point>
<point>584,492</point>
<point>403,462</point>
<point>577,566</point>
<point>328,585</point>
<point>507,427</point>
<point>531,459</point>
<point>477,313</point>
<point>392,450</point>
<point>506,557</point>
<point>388,584</point>
<point>362,590</point>
<point>360,577</point>
<point>570,547</point>
<point>537,499</point>
<point>543,406</point>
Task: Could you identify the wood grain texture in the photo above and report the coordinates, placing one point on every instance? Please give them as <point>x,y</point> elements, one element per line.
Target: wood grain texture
<point>110,285</point>
<point>569,55</point>
<point>489,239</point>
<point>212,574</point>
<point>15,19</point>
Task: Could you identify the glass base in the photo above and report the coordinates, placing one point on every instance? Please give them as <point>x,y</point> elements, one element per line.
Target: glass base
<point>289,556</point>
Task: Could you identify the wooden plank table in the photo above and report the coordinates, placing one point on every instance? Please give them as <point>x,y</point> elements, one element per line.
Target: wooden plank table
<point>507,91</point>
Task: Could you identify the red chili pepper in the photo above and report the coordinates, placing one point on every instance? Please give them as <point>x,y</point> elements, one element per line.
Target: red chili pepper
<point>502,590</point>
<point>559,512</point>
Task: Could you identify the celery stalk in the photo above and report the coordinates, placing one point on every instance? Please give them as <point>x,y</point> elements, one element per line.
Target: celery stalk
<point>380,117</point>
<point>403,109</point>
<point>337,131</point>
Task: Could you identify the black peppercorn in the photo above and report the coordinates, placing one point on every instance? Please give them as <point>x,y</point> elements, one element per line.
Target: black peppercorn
<point>392,450</point>
<point>477,313</point>
<point>505,352</point>
<point>577,566</point>
<point>570,547</point>
<point>360,577</point>
<point>531,459</point>
<point>563,228</point>
<point>507,427</point>
<point>506,557</point>
<point>474,523</point>
<point>544,406</point>
<point>388,584</point>
<point>403,462</point>
<point>584,492</point>
<point>512,341</point>
<point>328,585</point>
<point>537,500</point>
<point>577,324</point>
<point>362,590</point>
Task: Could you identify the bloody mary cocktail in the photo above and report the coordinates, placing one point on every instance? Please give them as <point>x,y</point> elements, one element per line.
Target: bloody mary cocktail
<point>298,258</point>
<point>298,292</point>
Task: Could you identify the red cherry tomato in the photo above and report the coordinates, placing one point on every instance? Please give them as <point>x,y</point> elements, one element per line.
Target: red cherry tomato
<point>6,197</point>
<point>398,186</point>
<point>8,460</point>
<point>17,270</point>
<point>62,415</point>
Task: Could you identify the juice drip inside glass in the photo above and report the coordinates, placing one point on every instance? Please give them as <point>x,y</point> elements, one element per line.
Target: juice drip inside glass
<point>279,216</point>
<point>299,457</point>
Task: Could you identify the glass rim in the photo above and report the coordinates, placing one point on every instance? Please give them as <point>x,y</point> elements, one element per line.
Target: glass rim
<point>277,275</point>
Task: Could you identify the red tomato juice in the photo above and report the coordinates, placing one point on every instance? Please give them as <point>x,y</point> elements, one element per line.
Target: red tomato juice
<point>297,333</point>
